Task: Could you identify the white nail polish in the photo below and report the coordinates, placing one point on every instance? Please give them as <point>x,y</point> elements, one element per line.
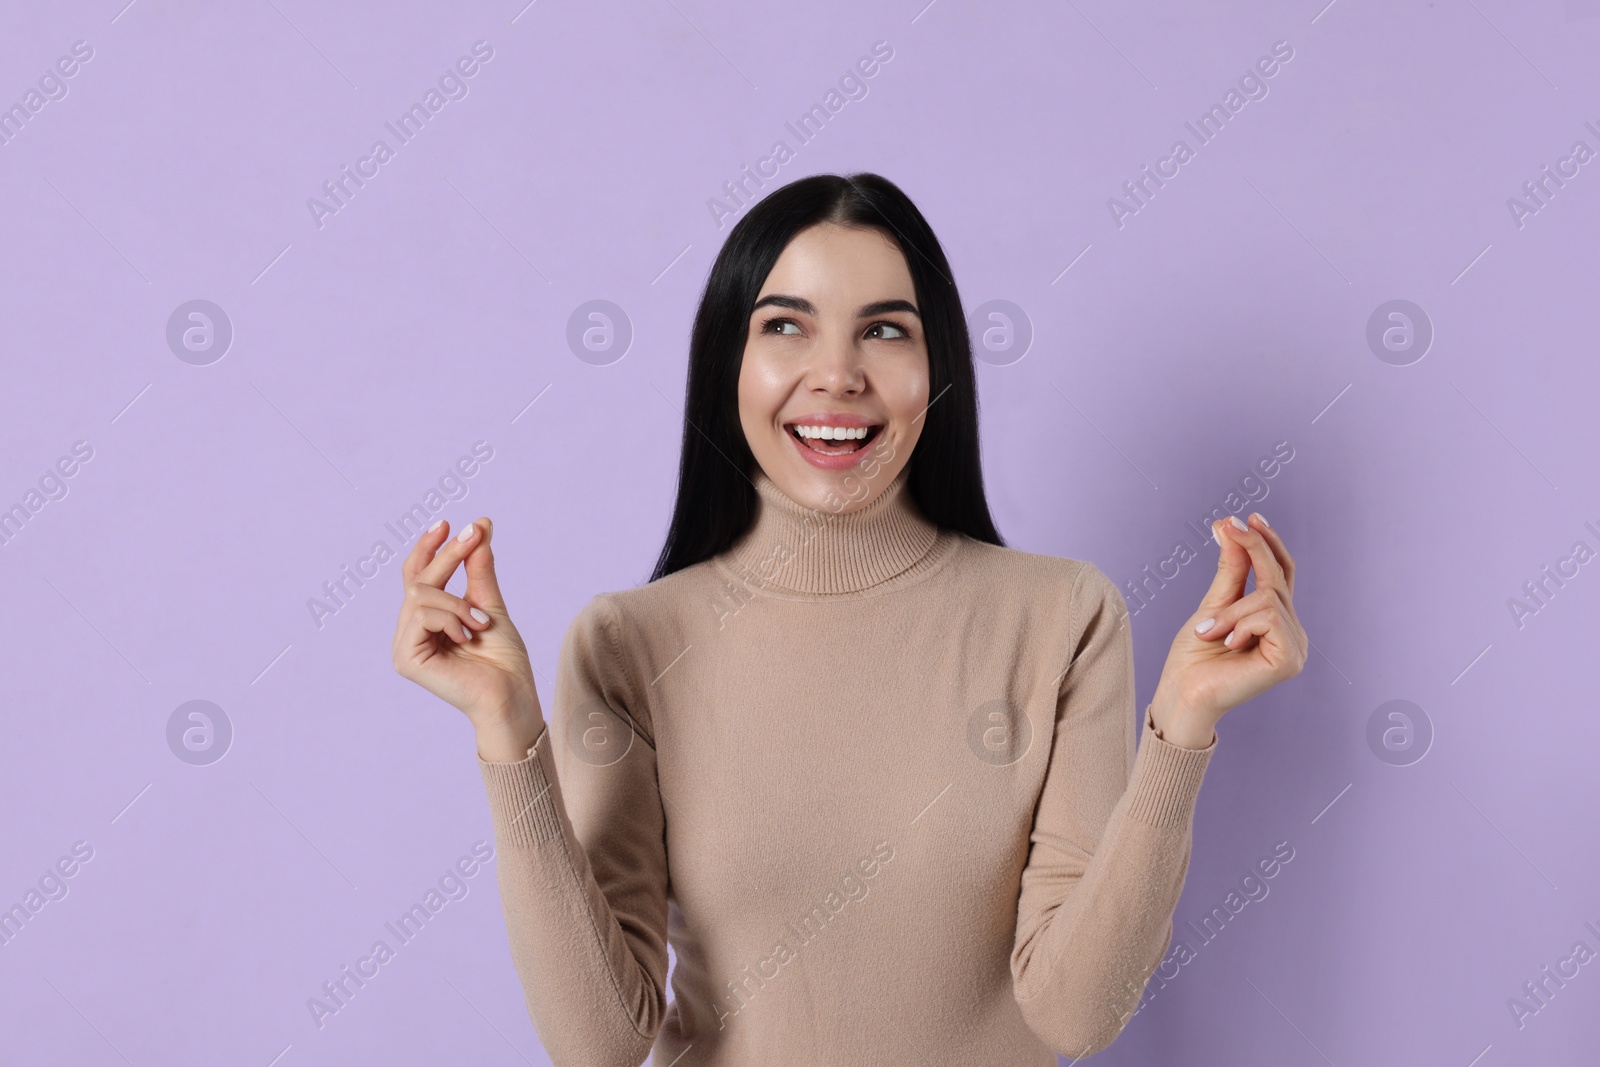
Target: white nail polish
<point>1229,639</point>
<point>466,533</point>
<point>479,614</point>
<point>436,525</point>
<point>1238,523</point>
<point>1205,626</point>
<point>1263,519</point>
<point>468,632</point>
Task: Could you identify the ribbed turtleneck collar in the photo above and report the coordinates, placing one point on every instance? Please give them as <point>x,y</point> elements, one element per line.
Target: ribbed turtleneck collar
<point>791,548</point>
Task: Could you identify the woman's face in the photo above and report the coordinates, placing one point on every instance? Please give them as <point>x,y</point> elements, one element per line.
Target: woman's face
<point>834,346</point>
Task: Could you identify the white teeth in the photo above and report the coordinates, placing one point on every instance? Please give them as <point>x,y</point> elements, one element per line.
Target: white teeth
<point>832,433</point>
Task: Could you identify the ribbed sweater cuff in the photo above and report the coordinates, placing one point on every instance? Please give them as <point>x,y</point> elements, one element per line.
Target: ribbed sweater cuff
<point>1166,779</point>
<point>521,801</point>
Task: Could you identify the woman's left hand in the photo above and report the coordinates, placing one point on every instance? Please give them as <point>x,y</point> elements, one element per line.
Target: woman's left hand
<point>1253,641</point>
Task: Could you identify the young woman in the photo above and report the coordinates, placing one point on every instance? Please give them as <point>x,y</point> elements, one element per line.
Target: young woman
<point>870,773</point>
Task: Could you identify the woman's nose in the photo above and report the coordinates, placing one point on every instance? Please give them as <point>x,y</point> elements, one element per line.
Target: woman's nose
<point>837,365</point>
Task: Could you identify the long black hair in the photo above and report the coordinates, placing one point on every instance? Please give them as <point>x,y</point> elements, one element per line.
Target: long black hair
<point>717,500</point>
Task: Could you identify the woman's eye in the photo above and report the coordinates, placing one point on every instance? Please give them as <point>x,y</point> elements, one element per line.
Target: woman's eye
<point>780,323</point>
<point>889,325</point>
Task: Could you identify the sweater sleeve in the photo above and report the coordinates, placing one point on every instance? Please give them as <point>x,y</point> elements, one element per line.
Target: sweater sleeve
<point>582,868</point>
<point>1110,841</point>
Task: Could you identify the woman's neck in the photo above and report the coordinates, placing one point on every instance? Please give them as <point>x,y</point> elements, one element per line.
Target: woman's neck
<point>792,548</point>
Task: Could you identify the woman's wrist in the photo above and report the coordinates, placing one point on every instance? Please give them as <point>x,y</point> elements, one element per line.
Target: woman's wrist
<point>508,740</point>
<point>505,735</point>
<point>1175,727</point>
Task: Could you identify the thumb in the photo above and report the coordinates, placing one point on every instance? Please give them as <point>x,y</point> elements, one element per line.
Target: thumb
<point>483,587</point>
<point>1233,567</point>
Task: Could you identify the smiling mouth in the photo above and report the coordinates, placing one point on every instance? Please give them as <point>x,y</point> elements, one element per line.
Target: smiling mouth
<point>833,440</point>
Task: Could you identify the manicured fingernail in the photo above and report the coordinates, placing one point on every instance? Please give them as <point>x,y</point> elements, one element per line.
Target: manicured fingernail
<point>436,524</point>
<point>1263,519</point>
<point>1229,639</point>
<point>479,614</point>
<point>1203,627</point>
<point>1238,523</point>
<point>468,632</point>
<point>466,535</point>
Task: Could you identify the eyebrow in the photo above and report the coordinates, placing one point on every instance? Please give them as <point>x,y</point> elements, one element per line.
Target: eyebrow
<point>804,306</point>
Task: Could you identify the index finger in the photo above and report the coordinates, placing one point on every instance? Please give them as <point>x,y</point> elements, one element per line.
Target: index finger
<point>1263,558</point>
<point>1279,551</point>
<point>439,570</point>
<point>421,553</point>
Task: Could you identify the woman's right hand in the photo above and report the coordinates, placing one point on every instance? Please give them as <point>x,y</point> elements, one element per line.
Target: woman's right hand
<point>476,662</point>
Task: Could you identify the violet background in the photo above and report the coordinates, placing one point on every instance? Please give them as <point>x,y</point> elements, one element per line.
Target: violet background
<point>1227,315</point>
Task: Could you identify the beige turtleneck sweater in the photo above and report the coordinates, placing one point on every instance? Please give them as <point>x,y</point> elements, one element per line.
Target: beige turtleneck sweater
<point>875,782</point>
